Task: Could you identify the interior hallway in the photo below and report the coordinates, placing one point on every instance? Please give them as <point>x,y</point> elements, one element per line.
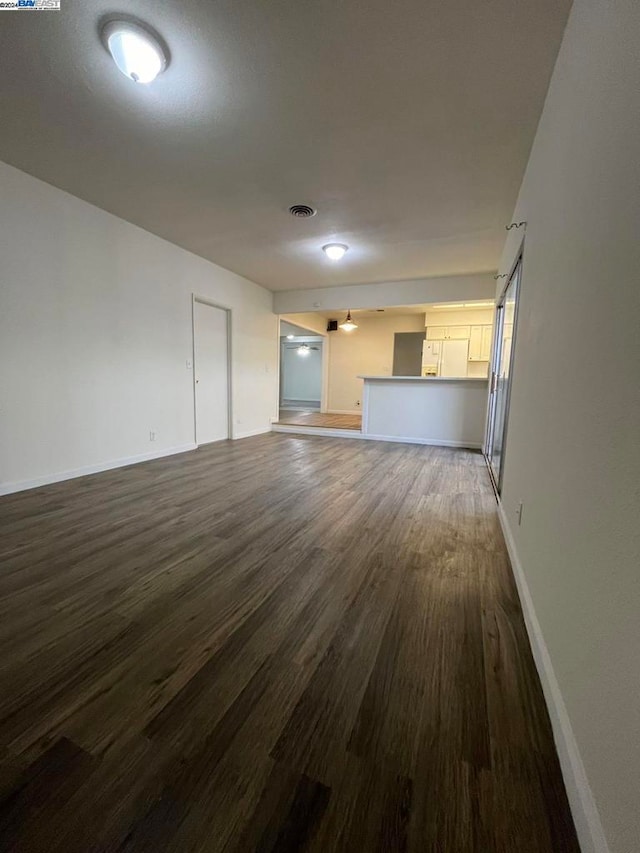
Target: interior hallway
<point>281,643</point>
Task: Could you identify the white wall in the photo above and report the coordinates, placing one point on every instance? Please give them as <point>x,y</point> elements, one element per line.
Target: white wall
<point>311,322</point>
<point>573,445</point>
<point>366,350</point>
<point>302,374</point>
<point>95,332</point>
<point>454,288</point>
<point>291,329</point>
<point>467,317</point>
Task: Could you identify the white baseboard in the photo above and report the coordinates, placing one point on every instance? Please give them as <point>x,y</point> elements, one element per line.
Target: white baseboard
<point>433,442</point>
<point>249,433</point>
<point>583,806</point>
<point>353,433</point>
<point>60,476</point>
<point>324,431</point>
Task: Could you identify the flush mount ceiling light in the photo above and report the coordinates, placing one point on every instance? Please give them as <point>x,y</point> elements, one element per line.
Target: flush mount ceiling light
<point>335,251</point>
<point>348,325</point>
<point>290,337</point>
<point>136,51</point>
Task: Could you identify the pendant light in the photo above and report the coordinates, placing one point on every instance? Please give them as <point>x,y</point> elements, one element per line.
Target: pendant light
<point>348,325</point>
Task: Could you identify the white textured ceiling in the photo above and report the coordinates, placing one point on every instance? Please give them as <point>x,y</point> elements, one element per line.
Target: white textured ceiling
<point>406,123</point>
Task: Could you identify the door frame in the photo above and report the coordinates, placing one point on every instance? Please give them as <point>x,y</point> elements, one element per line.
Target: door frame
<point>324,396</point>
<point>311,339</point>
<point>204,300</point>
<point>496,347</point>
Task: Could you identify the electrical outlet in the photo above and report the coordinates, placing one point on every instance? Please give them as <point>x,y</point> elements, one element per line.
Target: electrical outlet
<point>519,513</point>
<point>152,435</point>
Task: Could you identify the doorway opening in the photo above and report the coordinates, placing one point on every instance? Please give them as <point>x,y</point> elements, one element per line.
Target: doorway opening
<point>304,380</point>
<point>501,373</point>
<point>301,373</point>
<point>211,371</point>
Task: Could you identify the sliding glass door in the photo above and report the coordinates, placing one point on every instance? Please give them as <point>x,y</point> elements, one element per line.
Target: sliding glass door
<point>506,313</point>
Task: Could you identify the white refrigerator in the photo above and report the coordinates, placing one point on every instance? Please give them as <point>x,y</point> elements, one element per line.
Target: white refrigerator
<point>454,359</point>
<point>445,358</point>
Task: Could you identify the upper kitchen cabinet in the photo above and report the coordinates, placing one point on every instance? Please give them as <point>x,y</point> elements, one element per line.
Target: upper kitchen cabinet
<point>480,343</point>
<point>448,333</point>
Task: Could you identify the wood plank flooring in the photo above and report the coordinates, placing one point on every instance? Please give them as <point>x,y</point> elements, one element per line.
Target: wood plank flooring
<point>284,643</point>
<point>320,419</point>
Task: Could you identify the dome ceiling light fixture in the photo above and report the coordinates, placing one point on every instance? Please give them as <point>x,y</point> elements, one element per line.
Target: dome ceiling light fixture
<point>136,51</point>
<point>335,251</point>
<point>348,325</point>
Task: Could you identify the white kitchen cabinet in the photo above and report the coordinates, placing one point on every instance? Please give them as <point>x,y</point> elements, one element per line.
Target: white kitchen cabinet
<point>485,349</point>
<point>448,333</point>
<point>480,343</point>
<point>436,333</point>
<point>458,333</point>
<point>475,343</point>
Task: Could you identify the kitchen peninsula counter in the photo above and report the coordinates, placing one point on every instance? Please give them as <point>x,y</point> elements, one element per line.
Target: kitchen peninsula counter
<point>449,411</point>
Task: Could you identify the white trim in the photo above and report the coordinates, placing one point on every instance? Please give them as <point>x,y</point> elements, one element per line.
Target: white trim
<point>326,360</point>
<point>583,806</point>
<point>249,433</point>
<point>353,433</point>
<point>434,442</point>
<point>325,431</point>
<point>301,407</point>
<point>60,476</point>
<point>324,338</point>
<point>365,407</point>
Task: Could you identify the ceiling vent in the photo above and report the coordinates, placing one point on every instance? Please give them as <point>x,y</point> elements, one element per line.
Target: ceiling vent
<point>302,211</point>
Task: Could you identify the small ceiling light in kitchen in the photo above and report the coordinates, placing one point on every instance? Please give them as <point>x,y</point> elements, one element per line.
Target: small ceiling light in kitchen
<point>348,325</point>
<point>136,52</point>
<point>335,251</point>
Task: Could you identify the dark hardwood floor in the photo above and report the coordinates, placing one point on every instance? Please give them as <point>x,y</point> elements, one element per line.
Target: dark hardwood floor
<point>284,643</point>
